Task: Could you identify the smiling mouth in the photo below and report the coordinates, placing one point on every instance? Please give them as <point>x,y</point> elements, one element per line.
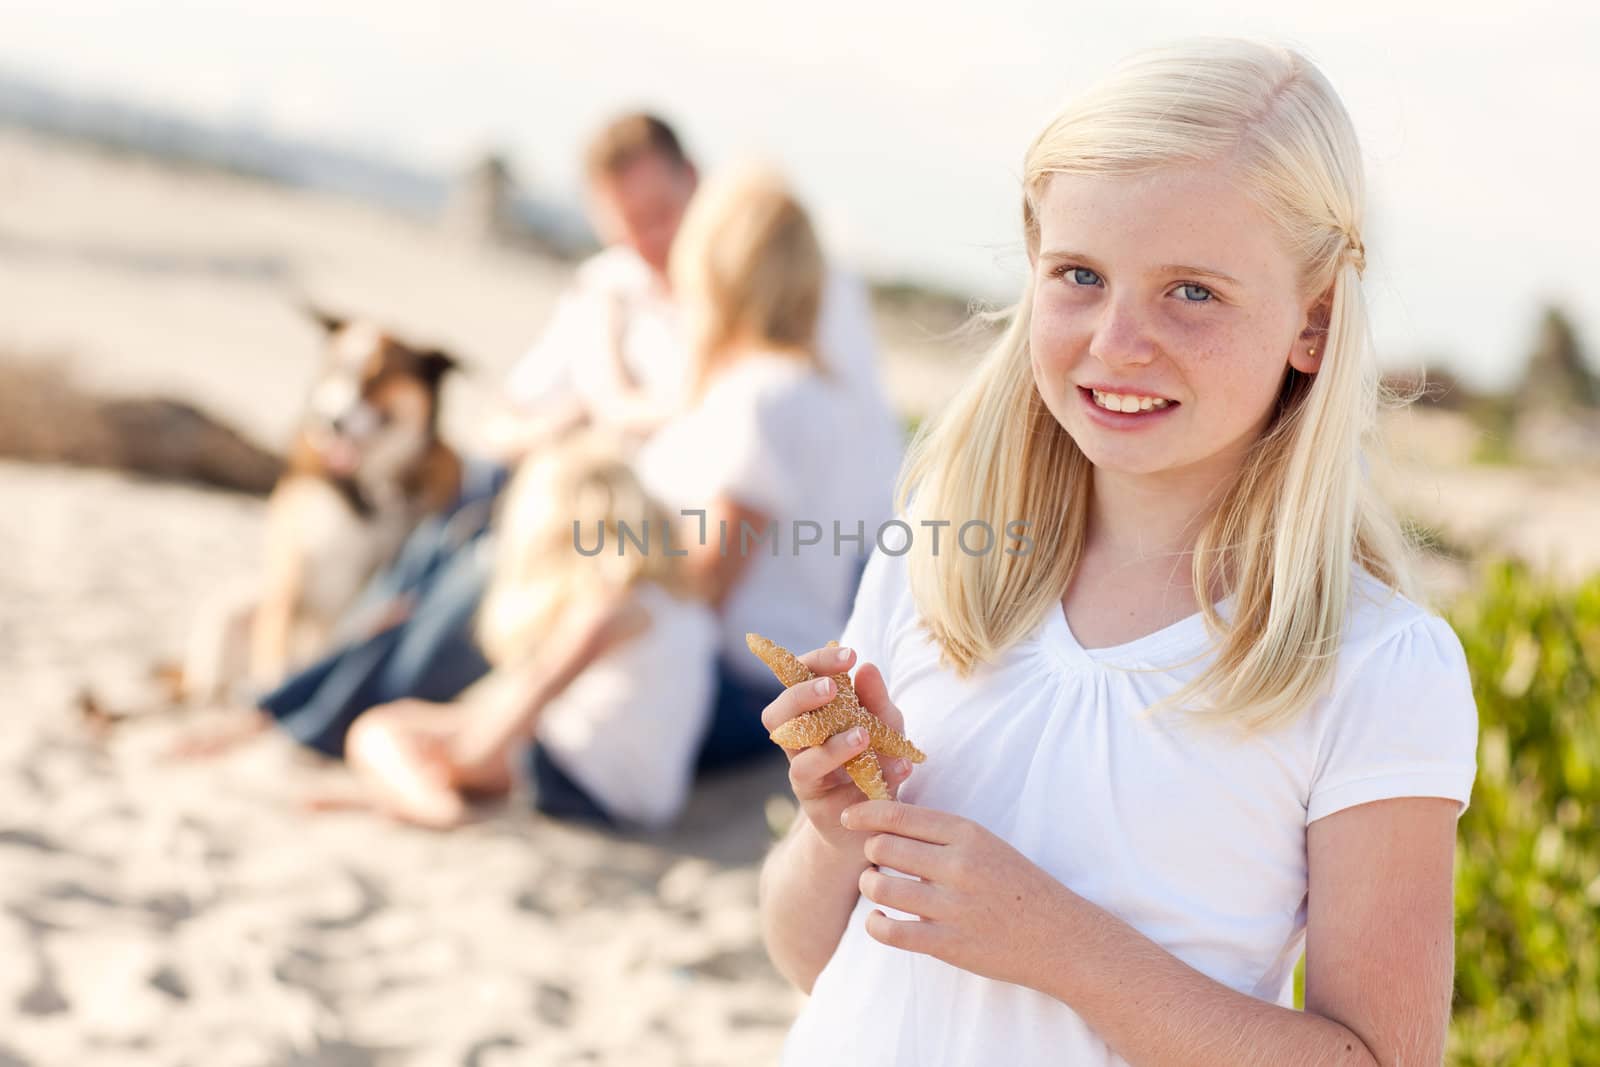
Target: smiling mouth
<point>1129,403</point>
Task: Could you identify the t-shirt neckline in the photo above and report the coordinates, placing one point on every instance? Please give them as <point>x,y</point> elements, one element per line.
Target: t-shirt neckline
<point>1187,635</point>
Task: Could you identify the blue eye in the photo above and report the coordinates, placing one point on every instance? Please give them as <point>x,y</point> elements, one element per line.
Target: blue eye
<point>1085,276</point>
<point>1206,298</point>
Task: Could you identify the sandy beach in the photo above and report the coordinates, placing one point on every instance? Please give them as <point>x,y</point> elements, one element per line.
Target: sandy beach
<point>169,913</point>
<point>161,913</point>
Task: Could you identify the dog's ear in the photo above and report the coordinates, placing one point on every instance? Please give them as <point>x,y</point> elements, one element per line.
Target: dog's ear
<point>326,319</point>
<point>434,365</point>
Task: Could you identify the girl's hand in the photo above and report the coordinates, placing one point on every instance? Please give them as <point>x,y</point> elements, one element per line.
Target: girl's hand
<point>984,906</point>
<point>817,774</point>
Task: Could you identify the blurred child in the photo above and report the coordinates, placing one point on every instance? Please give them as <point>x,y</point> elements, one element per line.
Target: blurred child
<point>602,681</point>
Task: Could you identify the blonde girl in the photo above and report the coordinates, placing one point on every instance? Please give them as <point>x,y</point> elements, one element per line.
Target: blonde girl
<point>1185,725</point>
<point>584,617</point>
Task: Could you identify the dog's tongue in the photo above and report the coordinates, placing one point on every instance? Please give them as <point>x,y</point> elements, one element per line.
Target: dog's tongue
<point>341,456</point>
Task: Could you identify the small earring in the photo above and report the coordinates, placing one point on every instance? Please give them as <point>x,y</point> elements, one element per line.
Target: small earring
<point>1311,351</point>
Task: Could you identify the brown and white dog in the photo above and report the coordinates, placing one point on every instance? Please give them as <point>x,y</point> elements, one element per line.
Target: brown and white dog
<point>367,465</point>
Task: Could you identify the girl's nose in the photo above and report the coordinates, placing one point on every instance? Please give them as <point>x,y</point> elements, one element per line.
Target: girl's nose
<point>1120,338</point>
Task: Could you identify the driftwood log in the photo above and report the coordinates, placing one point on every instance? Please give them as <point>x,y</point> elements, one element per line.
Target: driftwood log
<point>45,417</point>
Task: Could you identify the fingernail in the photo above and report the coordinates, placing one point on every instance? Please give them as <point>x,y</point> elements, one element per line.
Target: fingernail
<point>901,766</point>
<point>841,654</point>
<point>844,817</point>
<point>858,735</point>
<point>822,686</point>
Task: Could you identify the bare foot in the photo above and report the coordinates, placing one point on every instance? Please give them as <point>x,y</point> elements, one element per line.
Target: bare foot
<point>405,772</point>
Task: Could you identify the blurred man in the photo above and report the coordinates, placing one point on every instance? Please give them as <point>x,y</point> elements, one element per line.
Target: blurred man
<point>613,352</point>
<point>609,353</point>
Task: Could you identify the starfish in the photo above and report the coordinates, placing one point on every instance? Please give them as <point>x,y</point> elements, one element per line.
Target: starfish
<point>841,713</point>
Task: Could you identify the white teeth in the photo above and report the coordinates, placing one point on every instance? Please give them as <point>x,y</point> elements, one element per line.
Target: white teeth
<point>1128,403</point>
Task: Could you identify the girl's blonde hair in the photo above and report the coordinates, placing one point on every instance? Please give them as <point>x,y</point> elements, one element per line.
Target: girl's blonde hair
<point>538,570</point>
<point>1283,535</point>
<point>747,270</point>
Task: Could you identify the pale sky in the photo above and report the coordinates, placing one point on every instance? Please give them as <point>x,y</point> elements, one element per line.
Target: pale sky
<point>904,122</point>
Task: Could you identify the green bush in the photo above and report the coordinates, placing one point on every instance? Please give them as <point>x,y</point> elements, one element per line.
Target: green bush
<point>1528,860</point>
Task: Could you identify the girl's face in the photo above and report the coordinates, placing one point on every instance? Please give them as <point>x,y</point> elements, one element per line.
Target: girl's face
<point>1165,314</point>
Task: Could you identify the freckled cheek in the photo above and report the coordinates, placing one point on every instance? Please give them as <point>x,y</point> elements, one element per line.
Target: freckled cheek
<point>1211,353</point>
<point>1198,340</point>
<point>1056,339</point>
<point>1241,373</point>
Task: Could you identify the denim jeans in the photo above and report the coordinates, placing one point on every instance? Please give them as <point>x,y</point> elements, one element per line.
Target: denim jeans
<point>443,569</point>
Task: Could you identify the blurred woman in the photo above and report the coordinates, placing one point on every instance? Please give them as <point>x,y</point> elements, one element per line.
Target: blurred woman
<point>791,469</point>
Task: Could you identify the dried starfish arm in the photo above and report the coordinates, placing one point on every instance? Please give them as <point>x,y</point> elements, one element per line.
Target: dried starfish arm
<point>867,773</point>
<point>885,738</point>
<point>841,713</point>
<point>779,660</point>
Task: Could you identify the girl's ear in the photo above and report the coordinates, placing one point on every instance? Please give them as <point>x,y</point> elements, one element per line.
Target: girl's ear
<point>1311,345</point>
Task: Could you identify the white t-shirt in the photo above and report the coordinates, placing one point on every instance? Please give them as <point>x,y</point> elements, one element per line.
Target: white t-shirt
<point>627,739</point>
<point>1197,840</point>
<point>572,356</point>
<point>779,438</point>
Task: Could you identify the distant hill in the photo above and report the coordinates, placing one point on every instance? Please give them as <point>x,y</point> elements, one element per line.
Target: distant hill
<point>249,150</point>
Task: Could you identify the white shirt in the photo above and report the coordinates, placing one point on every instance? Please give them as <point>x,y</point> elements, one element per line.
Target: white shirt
<point>779,438</point>
<point>572,357</point>
<point>1196,839</point>
<point>627,739</point>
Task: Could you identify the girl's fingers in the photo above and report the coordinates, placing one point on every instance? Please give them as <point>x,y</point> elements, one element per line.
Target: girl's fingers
<point>895,773</point>
<point>903,894</point>
<point>874,697</point>
<point>809,771</point>
<point>814,771</point>
<point>797,700</point>
<point>801,698</point>
<point>829,660</point>
<point>925,860</point>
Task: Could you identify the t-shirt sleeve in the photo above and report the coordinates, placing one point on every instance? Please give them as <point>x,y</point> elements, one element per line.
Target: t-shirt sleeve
<point>1403,724</point>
